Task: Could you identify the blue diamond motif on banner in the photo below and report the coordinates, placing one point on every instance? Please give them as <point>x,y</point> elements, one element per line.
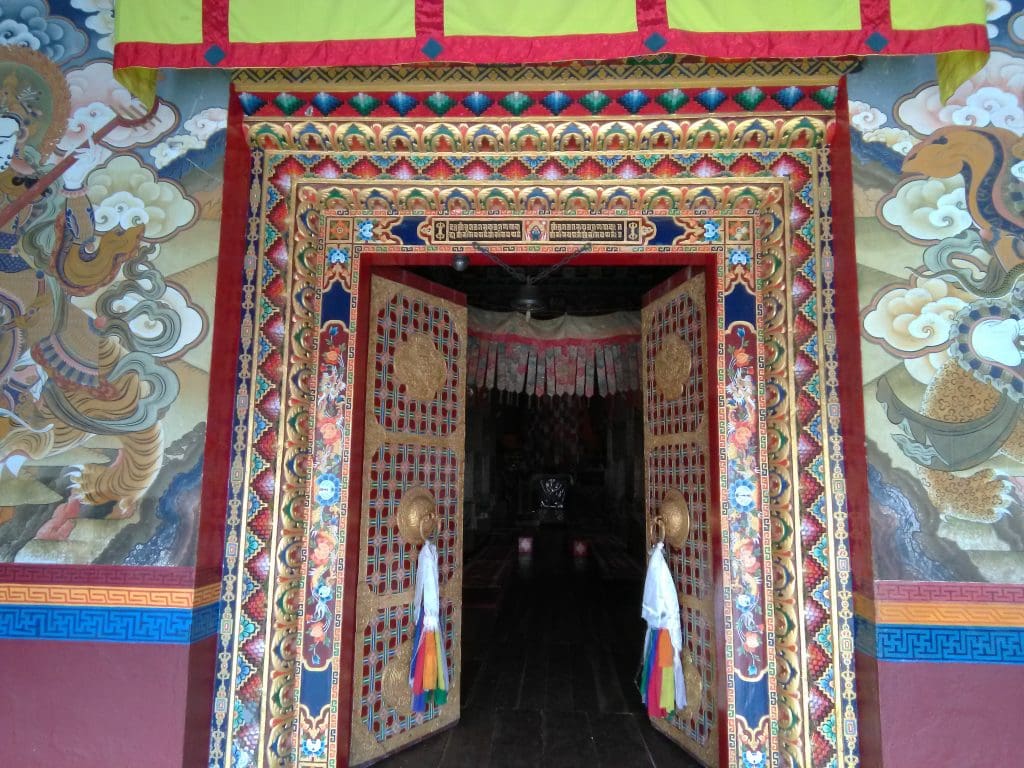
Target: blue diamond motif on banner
<point>432,49</point>
<point>655,42</point>
<point>877,42</point>
<point>214,55</point>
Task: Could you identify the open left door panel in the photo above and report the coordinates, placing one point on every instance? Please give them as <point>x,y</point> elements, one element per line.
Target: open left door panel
<point>414,447</point>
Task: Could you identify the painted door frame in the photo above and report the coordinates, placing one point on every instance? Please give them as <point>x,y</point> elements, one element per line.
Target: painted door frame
<point>777,128</point>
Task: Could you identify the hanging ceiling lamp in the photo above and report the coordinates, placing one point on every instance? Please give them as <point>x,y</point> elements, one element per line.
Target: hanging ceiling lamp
<point>528,298</point>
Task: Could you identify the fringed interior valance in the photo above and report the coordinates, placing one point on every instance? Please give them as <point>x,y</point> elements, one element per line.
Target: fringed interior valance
<point>569,355</point>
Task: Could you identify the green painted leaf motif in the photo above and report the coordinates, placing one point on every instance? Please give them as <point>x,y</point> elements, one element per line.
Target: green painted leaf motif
<point>439,103</point>
<point>364,103</point>
<point>750,98</point>
<point>826,97</point>
<point>516,102</point>
<point>288,103</point>
<point>595,102</point>
<point>673,100</point>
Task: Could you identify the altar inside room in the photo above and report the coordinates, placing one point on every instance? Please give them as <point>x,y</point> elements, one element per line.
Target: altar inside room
<point>554,524</point>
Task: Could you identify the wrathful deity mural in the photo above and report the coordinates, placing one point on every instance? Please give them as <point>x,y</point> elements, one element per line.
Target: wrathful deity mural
<point>939,193</point>
<point>109,223</point>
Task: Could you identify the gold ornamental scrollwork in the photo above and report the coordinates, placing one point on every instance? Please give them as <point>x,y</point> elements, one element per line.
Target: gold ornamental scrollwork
<point>694,685</point>
<point>417,515</point>
<point>420,366</point>
<point>672,366</point>
<point>395,688</point>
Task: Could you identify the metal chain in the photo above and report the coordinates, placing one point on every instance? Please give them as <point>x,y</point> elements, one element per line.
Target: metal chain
<point>544,273</point>
<point>518,274</point>
<point>521,275</point>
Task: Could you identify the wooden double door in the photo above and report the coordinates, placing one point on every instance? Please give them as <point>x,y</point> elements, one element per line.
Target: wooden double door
<point>413,466</point>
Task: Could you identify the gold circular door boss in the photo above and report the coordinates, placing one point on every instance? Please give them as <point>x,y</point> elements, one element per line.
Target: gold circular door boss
<point>420,366</point>
<point>672,366</point>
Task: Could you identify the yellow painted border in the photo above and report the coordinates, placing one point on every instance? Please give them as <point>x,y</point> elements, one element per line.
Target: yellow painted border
<point>119,597</point>
<point>952,614</point>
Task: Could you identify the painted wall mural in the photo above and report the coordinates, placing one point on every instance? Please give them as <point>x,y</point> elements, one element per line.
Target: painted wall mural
<point>109,226</point>
<point>939,195</point>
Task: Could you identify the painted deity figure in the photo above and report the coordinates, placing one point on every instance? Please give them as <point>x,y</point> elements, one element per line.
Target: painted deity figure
<point>66,377</point>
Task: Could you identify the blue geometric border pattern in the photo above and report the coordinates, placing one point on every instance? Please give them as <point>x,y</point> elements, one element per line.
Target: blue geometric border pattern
<point>965,645</point>
<point>109,625</point>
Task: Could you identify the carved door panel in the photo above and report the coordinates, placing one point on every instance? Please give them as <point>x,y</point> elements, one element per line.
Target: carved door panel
<point>677,469</point>
<point>414,443</point>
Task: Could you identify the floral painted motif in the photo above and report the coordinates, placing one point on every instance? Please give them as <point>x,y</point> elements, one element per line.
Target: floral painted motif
<point>327,493</point>
<point>743,497</point>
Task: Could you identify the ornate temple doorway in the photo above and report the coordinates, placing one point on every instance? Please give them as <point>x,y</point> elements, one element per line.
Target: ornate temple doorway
<point>550,546</point>
<point>654,162</point>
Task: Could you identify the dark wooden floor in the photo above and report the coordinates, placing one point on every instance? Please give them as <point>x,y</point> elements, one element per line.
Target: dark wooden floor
<point>548,676</point>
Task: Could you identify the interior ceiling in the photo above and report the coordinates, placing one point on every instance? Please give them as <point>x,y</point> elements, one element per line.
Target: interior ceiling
<point>569,290</point>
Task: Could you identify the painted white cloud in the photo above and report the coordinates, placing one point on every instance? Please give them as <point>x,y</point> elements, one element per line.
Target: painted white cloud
<point>15,33</point>
<point>911,319</point>
<point>995,9</point>
<point>204,124</point>
<point>166,152</point>
<point>990,106</point>
<point>192,320</point>
<point>121,209</point>
<point>864,117</point>
<point>28,23</point>
<point>92,88</point>
<point>929,209</point>
<point>100,19</point>
<point>897,139</point>
<point>166,207</point>
<point>198,130</point>
<point>916,321</point>
<point>996,91</point>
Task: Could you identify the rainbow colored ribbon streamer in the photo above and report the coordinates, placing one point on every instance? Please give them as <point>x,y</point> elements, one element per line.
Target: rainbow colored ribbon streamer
<point>658,684</point>
<point>428,672</point>
<point>429,681</point>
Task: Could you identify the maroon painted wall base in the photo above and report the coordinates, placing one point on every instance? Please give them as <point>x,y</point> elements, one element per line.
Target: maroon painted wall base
<point>949,715</point>
<point>104,705</point>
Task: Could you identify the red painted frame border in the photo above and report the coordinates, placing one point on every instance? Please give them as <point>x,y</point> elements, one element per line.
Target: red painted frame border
<point>847,318</point>
<point>851,408</point>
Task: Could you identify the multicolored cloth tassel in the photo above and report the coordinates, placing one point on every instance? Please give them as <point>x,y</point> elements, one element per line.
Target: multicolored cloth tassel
<point>428,673</point>
<point>661,684</point>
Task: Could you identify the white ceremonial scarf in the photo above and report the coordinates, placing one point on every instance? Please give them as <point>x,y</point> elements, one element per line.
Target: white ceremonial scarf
<point>661,611</point>
<point>427,587</point>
